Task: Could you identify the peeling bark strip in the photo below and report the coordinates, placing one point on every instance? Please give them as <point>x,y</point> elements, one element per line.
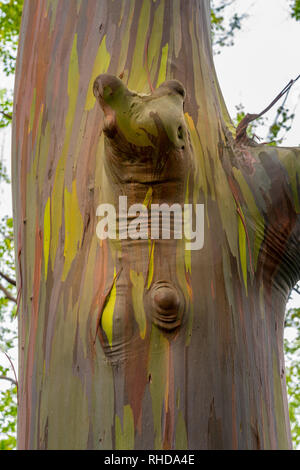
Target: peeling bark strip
<point>190,348</point>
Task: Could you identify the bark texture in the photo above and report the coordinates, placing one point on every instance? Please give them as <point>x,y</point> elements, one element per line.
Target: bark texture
<point>143,344</point>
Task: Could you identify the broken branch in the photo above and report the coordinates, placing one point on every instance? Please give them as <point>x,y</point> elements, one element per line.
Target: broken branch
<point>241,131</point>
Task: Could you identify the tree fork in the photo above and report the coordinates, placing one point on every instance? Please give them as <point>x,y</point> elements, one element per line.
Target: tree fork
<point>215,378</point>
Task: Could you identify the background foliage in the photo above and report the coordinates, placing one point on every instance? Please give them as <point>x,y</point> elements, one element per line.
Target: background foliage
<point>10,19</point>
<point>296,9</point>
<point>224,28</point>
<point>292,358</point>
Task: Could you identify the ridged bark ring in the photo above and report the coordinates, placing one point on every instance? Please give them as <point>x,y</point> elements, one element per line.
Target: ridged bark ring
<point>167,305</point>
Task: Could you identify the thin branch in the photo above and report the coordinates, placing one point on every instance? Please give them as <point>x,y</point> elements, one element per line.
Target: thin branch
<point>281,94</point>
<point>241,131</point>
<point>8,279</point>
<point>8,295</point>
<point>3,377</point>
<point>13,369</point>
<point>7,116</point>
<point>297,289</point>
<point>281,107</point>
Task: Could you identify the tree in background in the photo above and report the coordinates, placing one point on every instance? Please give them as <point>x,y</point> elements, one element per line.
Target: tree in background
<point>9,27</point>
<point>292,358</point>
<point>8,336</point>
<point>224,27</point>
<point>10,19</point>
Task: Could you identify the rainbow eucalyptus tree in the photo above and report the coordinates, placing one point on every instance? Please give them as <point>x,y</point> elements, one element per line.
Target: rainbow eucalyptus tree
<point>130,339</point>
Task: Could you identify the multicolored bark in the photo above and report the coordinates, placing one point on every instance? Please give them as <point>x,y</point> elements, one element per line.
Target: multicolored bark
<point>99,369</point>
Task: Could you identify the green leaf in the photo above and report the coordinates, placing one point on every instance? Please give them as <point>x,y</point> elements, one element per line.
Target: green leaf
<point>296,9</point>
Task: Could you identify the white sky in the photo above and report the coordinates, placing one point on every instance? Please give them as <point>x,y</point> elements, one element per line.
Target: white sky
<point>265,57</point>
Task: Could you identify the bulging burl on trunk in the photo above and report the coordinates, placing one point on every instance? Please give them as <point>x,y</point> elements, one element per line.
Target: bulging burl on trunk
<point>148,151</point>
<point>147,140</point>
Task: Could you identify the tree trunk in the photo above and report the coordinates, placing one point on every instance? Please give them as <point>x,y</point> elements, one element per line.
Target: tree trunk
<point>144,344</point>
